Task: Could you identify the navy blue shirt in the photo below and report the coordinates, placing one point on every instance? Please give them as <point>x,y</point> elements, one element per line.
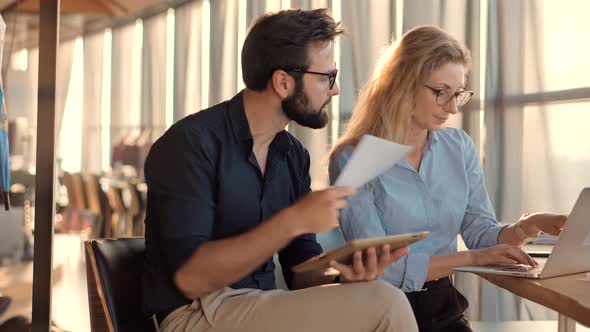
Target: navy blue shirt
<point>204,184</point>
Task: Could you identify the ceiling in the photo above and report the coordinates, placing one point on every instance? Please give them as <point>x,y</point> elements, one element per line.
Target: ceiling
<point>77,17</point>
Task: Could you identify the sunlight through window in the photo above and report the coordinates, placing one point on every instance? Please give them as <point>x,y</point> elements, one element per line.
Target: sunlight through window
<point>136,75</point>
<point>169,68</point>
<point>335,109</point>
<point>105,104</point>
<point>71,126</point>
<point>242,26</point>
<point>205,51</point>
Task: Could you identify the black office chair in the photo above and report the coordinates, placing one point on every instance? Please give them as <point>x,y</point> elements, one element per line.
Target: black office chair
<point>113,271</point>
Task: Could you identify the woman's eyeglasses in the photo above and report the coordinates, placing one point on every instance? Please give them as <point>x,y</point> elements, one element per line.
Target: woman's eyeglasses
<point>443,98</point>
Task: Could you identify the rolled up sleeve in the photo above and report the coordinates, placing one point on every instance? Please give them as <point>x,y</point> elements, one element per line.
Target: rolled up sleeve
<point>302,247</point>
<point>479,228</point>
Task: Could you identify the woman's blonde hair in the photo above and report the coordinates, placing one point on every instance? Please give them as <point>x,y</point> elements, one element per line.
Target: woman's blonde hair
<point>386,102</point>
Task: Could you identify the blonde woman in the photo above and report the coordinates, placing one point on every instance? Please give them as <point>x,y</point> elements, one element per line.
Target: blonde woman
<point>439,185</point>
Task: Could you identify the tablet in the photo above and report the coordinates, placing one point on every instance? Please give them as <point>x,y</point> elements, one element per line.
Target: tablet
<point>343,254</point>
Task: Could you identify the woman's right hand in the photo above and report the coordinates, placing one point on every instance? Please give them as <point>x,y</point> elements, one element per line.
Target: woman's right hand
<point>501,254</point>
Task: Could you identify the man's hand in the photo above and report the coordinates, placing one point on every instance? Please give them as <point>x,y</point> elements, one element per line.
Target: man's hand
<point>317,212</point>
<point>371,267</point>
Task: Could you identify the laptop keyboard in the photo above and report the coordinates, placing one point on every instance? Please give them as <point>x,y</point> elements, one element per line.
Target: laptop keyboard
<point>520,268</point>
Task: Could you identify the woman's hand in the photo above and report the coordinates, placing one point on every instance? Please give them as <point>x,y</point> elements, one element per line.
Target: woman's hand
<point>371,267</point>
<point>500,254</point>
<point>543,222</point>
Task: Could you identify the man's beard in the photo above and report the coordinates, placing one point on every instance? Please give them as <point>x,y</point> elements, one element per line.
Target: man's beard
<point>296,107</point>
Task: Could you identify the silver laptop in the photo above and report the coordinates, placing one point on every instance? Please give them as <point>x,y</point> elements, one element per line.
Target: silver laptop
<point>571,253</point>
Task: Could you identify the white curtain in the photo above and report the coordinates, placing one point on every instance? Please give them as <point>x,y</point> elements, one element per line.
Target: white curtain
<point>153,106</point>
<point>536,117</point>
<point>504,121</point>
<point>33,73</point>
<point>369,27</point>
<point>21,102</point>
<point>544,100</point>
<point>504,143</point>
<point>224,50</point>
<point>91,120</point>
<point>255,8</point>
<point>22,95</point>
<point>125,82</point>
<point>65,57</point>
<point>187,59</point>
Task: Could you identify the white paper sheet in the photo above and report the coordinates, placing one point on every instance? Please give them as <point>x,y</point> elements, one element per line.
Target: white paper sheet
<point>371,157</point>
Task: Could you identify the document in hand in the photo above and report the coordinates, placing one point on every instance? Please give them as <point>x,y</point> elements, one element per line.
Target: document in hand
<point>371,157</point>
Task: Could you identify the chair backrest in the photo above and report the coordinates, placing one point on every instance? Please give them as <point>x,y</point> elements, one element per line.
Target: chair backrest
<point>98,203</point>
<point>119,223</point>
<point>92,188</point>
<point>113,270</point>
<point>75,188</point>
<point>136,209</point>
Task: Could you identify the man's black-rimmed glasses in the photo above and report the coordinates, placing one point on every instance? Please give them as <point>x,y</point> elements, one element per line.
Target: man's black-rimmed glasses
<point>331,75</point>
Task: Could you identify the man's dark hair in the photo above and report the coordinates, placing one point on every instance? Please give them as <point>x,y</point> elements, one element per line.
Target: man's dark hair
<point>280,41</point>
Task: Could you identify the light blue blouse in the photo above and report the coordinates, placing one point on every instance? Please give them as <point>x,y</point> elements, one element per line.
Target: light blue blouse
<point>445,197</point>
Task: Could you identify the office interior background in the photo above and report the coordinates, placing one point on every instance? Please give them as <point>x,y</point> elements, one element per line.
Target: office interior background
<point>126,72</point>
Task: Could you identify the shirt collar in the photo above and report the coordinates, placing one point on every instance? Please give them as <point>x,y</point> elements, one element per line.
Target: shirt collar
<point>283,142</point>
<point>433,138</point>
<point>237,118</point>
<point>240,127</point>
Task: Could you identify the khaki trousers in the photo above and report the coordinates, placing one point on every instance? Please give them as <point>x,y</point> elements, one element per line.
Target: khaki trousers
<point>356,307</point>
